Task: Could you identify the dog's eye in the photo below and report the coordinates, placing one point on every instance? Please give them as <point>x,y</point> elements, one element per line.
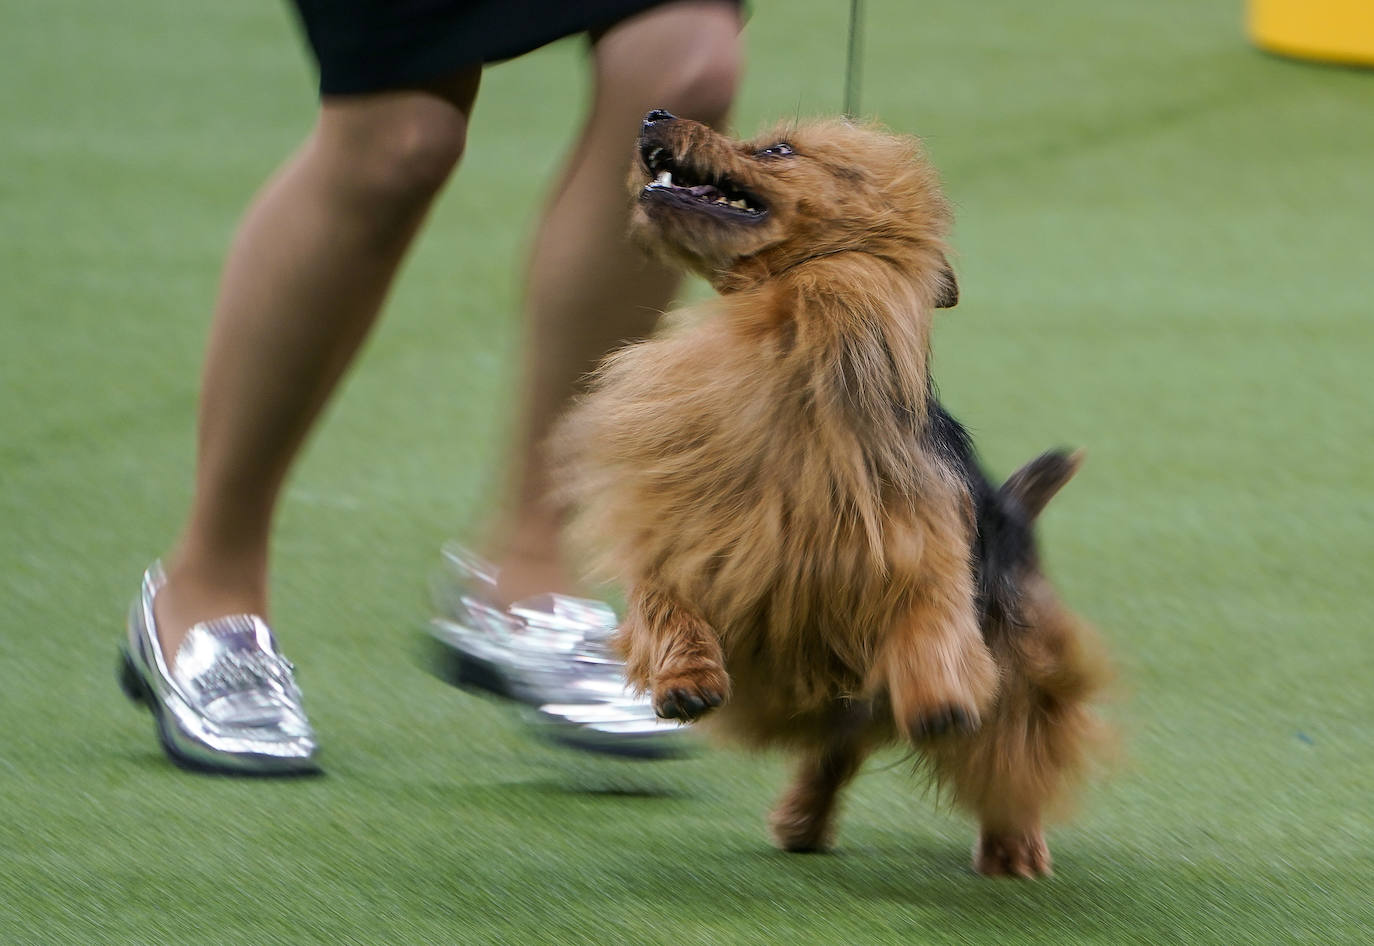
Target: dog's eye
<point>780,150</point>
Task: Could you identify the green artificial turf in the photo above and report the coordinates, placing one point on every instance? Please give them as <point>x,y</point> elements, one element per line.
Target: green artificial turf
<point>1166,250</point>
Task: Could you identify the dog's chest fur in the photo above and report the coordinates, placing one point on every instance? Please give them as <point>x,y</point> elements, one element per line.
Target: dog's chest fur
<point>785,467</point>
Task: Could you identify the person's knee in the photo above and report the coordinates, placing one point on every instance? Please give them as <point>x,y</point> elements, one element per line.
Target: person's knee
<point>392,155</point>
<point>685,57</point>
<point>409,160</point>
<point>701,86</point>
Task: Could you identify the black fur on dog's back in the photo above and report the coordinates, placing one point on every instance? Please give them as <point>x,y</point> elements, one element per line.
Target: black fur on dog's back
<point>1004,549</point>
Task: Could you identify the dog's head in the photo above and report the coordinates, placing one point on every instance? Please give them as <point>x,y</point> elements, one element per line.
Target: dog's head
<point>741,211</point>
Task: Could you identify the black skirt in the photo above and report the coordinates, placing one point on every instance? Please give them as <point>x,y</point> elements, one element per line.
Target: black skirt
<point>374,45</point>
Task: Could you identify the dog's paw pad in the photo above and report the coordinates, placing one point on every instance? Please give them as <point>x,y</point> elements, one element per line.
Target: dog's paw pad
<point>1012,855</point>
<point>686,703</point>
<point>949,719</point>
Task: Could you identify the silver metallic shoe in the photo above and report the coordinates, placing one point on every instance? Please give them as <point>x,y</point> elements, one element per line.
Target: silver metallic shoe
<point>551,653</point>
<point>230,705</point>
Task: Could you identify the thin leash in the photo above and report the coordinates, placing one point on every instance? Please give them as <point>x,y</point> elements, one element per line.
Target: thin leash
<point>852,62</point>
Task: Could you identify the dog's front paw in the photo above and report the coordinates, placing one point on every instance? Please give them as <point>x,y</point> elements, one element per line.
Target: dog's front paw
<point>688,696</point>
<point>949,719</point>
<point>942,689</point>
<point>922,714</point>
<point>1012,854</point>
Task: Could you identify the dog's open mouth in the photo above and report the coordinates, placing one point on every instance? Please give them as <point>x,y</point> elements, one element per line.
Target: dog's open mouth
<point>677,182</point>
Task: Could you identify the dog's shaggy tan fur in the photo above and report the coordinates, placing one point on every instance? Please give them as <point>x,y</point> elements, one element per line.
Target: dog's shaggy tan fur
<point>769,478</point>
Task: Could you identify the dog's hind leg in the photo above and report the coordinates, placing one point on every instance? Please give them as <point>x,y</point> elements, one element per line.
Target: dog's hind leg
<point>804,817</point>
<point>672,653</point>
<point>1023,762</point>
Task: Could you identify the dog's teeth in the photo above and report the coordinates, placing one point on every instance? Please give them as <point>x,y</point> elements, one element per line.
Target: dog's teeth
<point>653,155</point>
<point>739,204</point>
<point>664,177</point>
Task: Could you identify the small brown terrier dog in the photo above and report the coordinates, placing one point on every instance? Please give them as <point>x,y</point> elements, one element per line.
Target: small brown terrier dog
<point>811,553</point>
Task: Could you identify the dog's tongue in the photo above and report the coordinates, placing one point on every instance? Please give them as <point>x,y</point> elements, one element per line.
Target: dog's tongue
<point>705,191</point>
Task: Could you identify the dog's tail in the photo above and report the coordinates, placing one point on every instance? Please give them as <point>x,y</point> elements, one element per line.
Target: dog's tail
<point>1036,483</point>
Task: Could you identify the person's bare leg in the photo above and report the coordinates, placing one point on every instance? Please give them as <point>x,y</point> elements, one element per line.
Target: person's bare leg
<point>303,283</point>
<point>589,289</point>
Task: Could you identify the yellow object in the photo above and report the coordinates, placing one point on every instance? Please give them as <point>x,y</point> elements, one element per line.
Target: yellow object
<point>1329,30</point>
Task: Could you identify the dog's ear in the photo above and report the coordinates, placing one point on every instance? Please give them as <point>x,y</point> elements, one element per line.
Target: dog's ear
<point>948,296</point>
<point>1035,484</point>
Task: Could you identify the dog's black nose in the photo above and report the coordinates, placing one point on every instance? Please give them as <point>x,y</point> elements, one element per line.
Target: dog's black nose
<point>658,115</point>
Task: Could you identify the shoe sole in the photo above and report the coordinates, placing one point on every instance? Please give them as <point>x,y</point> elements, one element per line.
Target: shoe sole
<point>481,678</point>
<point>138,692</point>
<point>465,671</point>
